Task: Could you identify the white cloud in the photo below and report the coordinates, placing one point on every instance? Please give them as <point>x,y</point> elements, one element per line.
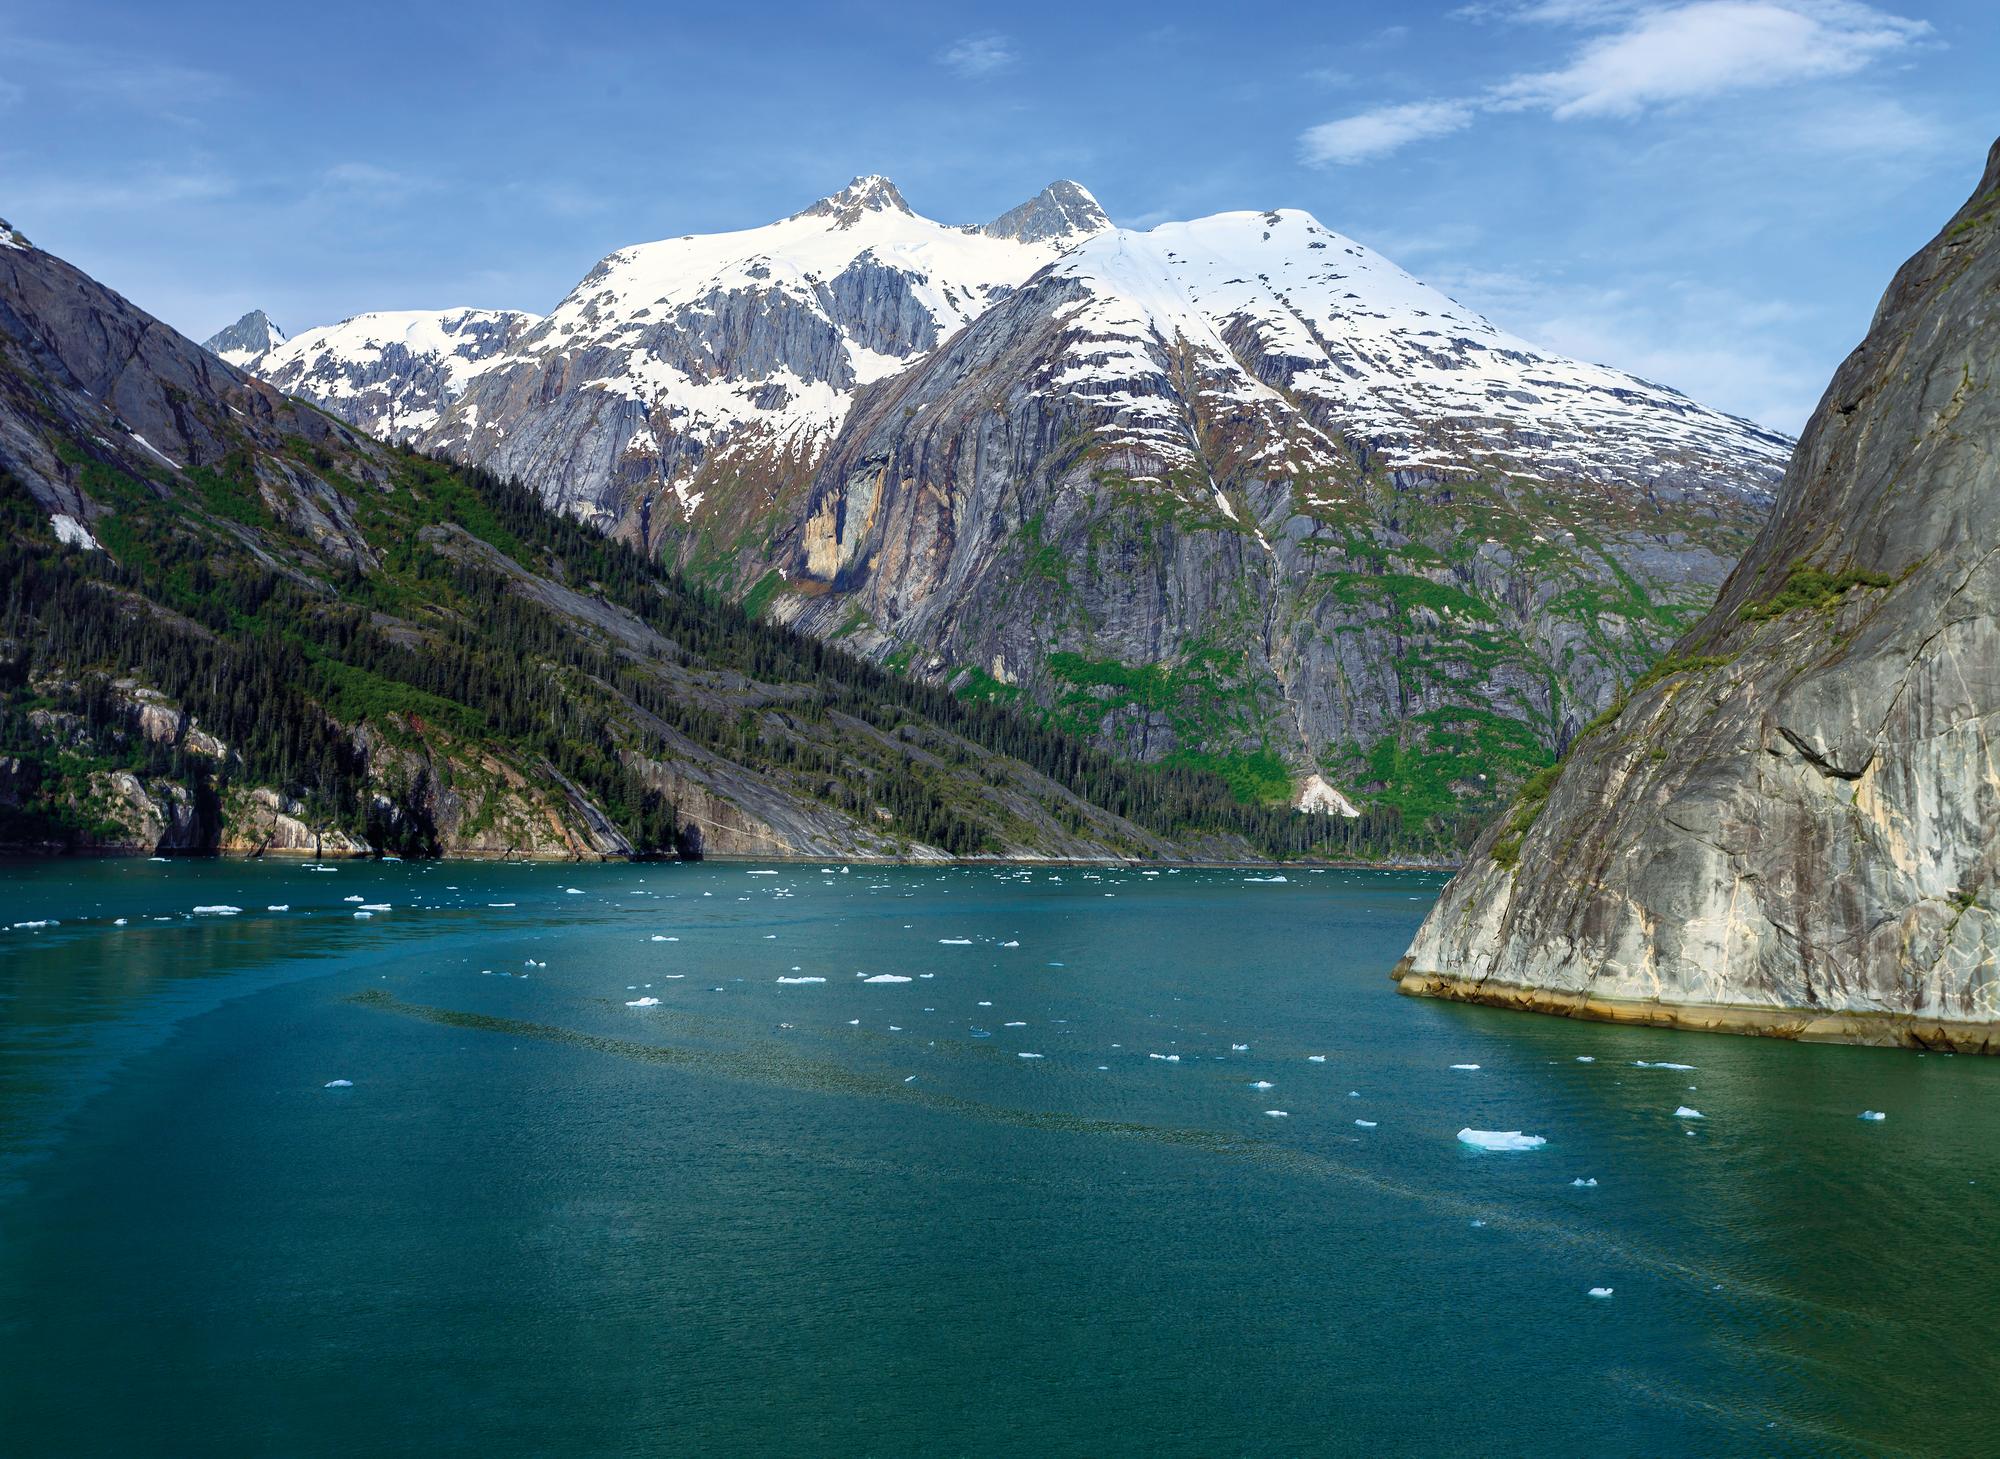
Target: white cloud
<point>1372,134</point>
<point>1690,52</point>
<point>1652,56</point>
<point>367,180</point>
<point>978,55</point>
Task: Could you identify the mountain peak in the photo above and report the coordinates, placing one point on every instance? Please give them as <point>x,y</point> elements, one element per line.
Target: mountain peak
<point>871,194</point>
<point>1060,211</point>
<point>246,339</point>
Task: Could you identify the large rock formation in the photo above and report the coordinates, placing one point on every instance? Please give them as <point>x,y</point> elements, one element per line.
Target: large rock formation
<point>1792,827</point>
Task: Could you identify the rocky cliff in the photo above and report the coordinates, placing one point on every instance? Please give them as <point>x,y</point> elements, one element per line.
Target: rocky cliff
<point>1237,492</point>
<point>1792,824</point>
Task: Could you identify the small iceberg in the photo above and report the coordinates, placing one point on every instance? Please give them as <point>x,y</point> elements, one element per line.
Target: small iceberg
<point>761,873</point>
<point>1500,1140</point>
<point>646,1002</point>
<point>1264,878</point>
<point>1467,1067</point>
<point>1279,1114</point>
<point>1027,1056</point>
<point>1315,1058</point>
<point>1688,1112</point>
<point>1586,1058</point>
<point>802,980</point>
<point>220,909</point>
<point>339,1084</point>
<point>37,926</point>
<point>490,904</point>
<point>1010,944</point>
<point>572,891</point>
<point>886,978</point>
<point>1642,1064</point>
<point>1585,1182</point>
<point>1600,1291</point>
<point>955,941</point>
<point>1873,1114</point>
<point>279,907</point>
<point>376,907</point>
<point>1366,1124</point>
<point>1239,1048</point>
<point>1263,1084</point>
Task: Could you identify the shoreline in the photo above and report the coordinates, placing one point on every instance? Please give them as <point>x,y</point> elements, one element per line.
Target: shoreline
<point>113,853</point>
<point>1866,1028</point>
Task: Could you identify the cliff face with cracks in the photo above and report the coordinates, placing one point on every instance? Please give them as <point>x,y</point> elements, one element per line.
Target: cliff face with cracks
<point>1792,826</point>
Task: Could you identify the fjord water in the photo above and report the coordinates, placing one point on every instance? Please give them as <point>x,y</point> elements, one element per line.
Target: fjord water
<point>851,1217</point>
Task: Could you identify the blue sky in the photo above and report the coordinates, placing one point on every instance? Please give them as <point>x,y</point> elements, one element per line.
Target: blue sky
<point>1711,193</point>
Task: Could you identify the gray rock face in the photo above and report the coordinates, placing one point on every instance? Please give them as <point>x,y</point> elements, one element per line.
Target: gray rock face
<point>1796,829</point>
<point>249,337</point>
<point>1159,511</point>
<point>1062,210</point>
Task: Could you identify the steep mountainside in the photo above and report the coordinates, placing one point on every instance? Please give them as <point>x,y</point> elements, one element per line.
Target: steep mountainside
<point>1238,491</point>
<point>228,620</point>
<point>1792,826</point>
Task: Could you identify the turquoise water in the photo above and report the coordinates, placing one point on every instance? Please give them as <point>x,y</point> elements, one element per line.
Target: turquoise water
<point>830,1218</point>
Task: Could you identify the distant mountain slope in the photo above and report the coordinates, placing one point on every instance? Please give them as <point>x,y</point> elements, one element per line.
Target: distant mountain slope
<point>1237,491</point>
<point>249,338</point>
<point>228,620</point>
<point>1792,825</point>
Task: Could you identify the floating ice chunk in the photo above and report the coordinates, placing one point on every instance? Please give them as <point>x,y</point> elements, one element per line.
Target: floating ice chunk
<point>802,980</point>
<point>1239,1048</point>
<point>490,904</point>
<point>1688,1112</point>
<point>1264,878</point>
<point>1017,1023</point>
<point>117,921</point>
<point>1642,1064</point>
<point>1010,944</point>
<point>1586,1058</point>
<point>1465,1066</point>
<point>38,925</point>
<point>1586,1183</point>
<point>657,937</point>
<point>647,1002</point>
<point>886,978</point>
<point>761,873</point>
<point>1478,1223</point>
<point>1500,1140</point>
<point>911,1080</point>
<point>1263,1084</point>
<point>1366,1124</point>
<point>274,907</point>
<point>1027,1056</point>
<point>1166,1058</point>
<point>219,909</point>
<point>339,1084</point>
<point>1315,1058</point>
<point>1600,1291</point>
<point>1279,1114</point>
<point>955,941</point>
<point>573,891</point>
<point>364,914</point>
<point>1873,1114</point>
<point>376,907</point>
<point>985,1003</point>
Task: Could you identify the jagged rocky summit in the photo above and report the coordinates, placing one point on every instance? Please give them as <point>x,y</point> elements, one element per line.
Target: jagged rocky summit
<point>249,338</point>
<point>1792,826</point>
<point>1237,492</point>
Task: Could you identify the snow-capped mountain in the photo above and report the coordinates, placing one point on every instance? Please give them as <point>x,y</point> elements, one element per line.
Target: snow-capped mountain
<point>1245,452</point>
<point>395,373</point>
<point>249,338</point>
